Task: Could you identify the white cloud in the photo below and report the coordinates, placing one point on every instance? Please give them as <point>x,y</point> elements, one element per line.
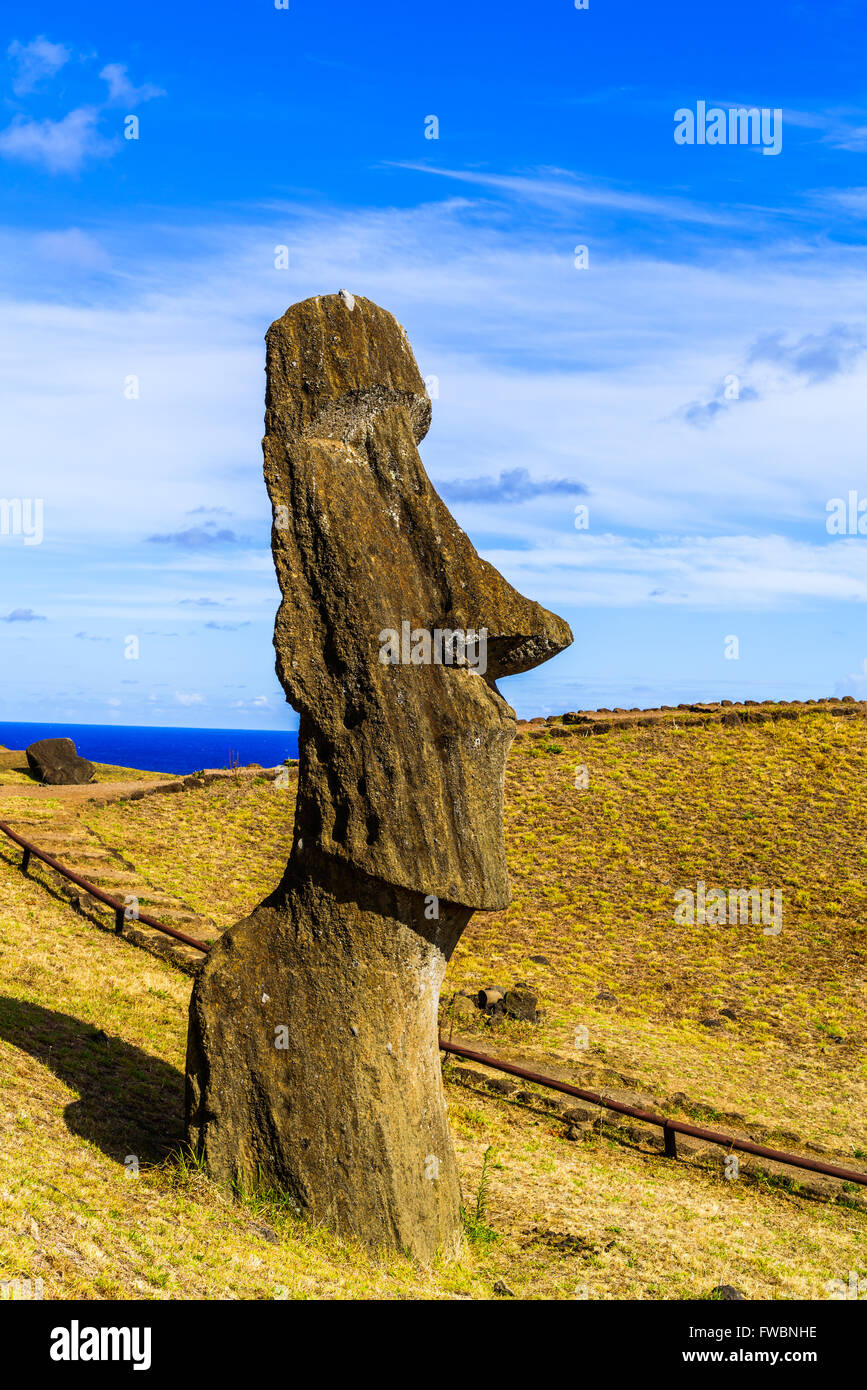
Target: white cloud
<point>35,61</point>
<point>73,248</point>
<point>59,146</point>
<point>746,573</point>
<point>184,698</point>
<point>122,92</point>
<point>559,187</point>
<point>565,374</point>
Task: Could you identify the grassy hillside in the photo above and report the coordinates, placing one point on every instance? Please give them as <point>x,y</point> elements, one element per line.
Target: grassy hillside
<point>594,1213</point>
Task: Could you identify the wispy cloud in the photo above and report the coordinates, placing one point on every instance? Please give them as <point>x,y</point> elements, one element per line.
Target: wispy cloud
<point>844,128</point>
<point>23,615</point>
<point>516,485</point>
<point>65,144</point>
<point>122,92</point>
<point>728,393</point>
<point>35,62</point>
<point>816,356</point>
<point>561,187</point>
<point>59,146</point>
<point>197,537</point>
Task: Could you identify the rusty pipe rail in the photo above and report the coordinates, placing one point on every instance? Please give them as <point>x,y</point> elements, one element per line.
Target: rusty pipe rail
<point>119,908</point>
<point>670,1128</point>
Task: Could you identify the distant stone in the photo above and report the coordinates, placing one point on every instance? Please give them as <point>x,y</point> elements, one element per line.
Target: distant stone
<point>605,996</point>
<point>267,1234</point>
<point>503,1289</point>
<point>731,719</point>
<point>463,1009</point>
<point>500,1085</point>
<point>712,1023</point>
<point>728,1293</point>
<point>55,762</point>
<point>521,1004</point>
<point>539,960</point>
<point>576,1116</point>
<point>728,1013</point>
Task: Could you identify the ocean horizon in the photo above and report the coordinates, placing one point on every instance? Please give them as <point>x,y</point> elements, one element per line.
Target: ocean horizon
<point>157,749</point>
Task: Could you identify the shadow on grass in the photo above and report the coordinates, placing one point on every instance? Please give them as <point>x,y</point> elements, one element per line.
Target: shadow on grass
<point>129,1102</point>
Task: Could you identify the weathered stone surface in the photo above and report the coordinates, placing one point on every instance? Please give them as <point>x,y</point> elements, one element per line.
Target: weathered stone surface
<point>521,1003</point>
<point>55,761</point>
<point>398,827</point>
<point>402,763</point>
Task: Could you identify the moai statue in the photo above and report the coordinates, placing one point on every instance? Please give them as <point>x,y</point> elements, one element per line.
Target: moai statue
<point>312,1063</point>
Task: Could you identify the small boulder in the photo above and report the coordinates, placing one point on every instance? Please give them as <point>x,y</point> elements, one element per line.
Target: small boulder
<point>728,1293</point>
<point>521,1003</point>
<point>463,1008</point>
<point>500,1085</point>
<point>55,762</point>
<point>576,1116</point>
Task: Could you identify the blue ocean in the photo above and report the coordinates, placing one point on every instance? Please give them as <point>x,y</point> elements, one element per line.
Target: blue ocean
<point>162,750</point>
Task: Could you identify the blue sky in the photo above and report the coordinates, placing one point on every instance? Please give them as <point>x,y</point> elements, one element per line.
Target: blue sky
<point>698,385</point>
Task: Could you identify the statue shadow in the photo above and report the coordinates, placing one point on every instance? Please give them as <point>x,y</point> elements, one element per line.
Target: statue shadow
<point>129,1102</point>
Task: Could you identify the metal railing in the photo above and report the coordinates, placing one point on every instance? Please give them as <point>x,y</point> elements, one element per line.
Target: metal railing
<point>670,1128</point>
<point>119,908</point>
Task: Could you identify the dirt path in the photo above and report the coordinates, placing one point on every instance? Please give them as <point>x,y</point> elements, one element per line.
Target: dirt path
<point>74,796</point>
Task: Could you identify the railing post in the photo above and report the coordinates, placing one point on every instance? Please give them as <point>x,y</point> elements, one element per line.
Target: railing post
<point>670,1137</point>
<point>25,862</point>
<point>119,919</point>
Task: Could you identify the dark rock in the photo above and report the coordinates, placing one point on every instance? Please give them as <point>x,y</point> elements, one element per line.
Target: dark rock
<point>500,1085</point>
<point>468,1077</point>
<point>606,997</point>
<point>267,1234</point>
<point>399,804</point>
<point>463,1009</point>
<point>55,762</point>
<point>728,1293</point>
<point>520,1003</point>
<point>731,719</point>
<point>549,1102</point>
<point>712,1022</point>
<point>503,1289</point>
<point>540,960</point>
<point>728,1013</point>
<point>576,1116</point>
